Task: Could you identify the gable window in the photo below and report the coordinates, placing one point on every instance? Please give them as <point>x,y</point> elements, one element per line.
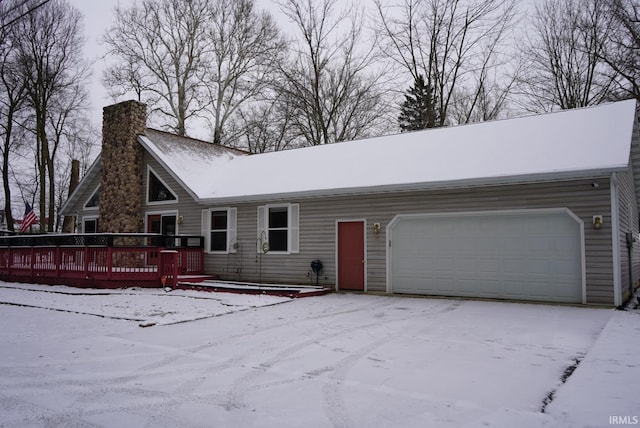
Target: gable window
<point>219,229</point>
<point>94,200</point>
<point>278,225</point>
<point>157,190</point>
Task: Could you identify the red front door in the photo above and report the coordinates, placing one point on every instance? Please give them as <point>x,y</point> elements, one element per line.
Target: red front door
<point>351,262</point>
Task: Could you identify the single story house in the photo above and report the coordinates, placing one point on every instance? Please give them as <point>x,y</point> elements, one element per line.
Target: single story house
<point>540,208</point>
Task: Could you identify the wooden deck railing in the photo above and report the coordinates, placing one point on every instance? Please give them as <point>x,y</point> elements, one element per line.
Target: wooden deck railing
<point>100,260</point>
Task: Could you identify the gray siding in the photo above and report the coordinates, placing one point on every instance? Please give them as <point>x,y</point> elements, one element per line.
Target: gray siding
<point>85,191</point>
<point>628,222</point>
<point>185,206</point>
<point>629,192</point>
<point>635,158</point>
<point>318,230</point>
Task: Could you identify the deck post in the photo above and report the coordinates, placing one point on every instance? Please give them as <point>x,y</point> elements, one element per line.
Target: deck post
<point>168,267</point>
<point>32,261</point>
<point>110,261</point>
<point>10,262</point>
<point>86,262</point>
<point>57,261</point>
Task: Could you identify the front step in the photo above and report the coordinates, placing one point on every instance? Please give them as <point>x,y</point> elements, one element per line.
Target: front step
<point>249,288</point>
<point>195,278</point>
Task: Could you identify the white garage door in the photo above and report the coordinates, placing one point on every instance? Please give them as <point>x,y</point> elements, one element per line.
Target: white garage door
<point>533,255</point>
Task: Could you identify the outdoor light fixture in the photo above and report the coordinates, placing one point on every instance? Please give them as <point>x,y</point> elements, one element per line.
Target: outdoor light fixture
<point>376,228</point>
<point>180,219</point>
<point>597,222</point>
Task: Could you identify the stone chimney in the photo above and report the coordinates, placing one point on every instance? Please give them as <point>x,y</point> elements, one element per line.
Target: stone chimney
<point>121,194</point>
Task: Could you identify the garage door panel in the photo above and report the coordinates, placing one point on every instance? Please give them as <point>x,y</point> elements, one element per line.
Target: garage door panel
<point>531,255</point>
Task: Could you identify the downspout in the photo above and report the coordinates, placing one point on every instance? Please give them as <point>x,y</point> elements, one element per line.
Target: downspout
<point>615,240</point>
<point>630,239</point>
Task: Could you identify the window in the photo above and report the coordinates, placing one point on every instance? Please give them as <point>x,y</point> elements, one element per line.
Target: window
<point>219,229</point>
<point>158,191</point>
<point>278,225</point>
<point>90,225</point>
<point>218,241</point>
<point>94,200</point>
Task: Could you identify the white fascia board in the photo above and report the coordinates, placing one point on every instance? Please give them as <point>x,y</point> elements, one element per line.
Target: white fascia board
<point>459,184</point>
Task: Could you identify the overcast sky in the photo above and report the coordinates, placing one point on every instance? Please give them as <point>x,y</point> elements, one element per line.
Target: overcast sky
<point>98,16</point>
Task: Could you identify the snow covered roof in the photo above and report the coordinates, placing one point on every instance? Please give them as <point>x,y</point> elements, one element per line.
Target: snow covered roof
<point>190,161</point>
<point>566,144</point>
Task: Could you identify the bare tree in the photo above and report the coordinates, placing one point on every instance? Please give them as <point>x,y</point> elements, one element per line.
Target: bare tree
<point>266,126</point>
<point>330,84</point>
<point>192,59</point>
<point>245,47</point>
<point>457,45</point>
<point>565,66</point>
<point>14,11</point>
<point>622,53</point>
<point>66,110</point>
<point>49,49</point>
<point>12,97</point>
<point>159,46</point>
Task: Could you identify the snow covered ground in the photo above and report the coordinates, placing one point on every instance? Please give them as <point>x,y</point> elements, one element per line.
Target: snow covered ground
<point>71,357</point>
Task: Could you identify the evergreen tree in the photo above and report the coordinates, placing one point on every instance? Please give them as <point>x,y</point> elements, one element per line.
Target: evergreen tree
<point>418,111</point>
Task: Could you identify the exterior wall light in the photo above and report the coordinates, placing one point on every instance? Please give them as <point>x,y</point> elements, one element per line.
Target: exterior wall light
<point>180,219</point>
<point>376,228</point>
<point>597,222</point>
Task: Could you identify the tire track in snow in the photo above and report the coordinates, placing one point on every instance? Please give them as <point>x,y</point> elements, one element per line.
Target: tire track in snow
<point>71,312</point>
<point>160,404</point>
<point>248,382</point>
<point>183,392</point>
<point>333,392</point>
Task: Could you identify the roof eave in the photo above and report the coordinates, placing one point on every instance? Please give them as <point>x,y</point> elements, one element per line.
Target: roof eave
<point>407,187</point>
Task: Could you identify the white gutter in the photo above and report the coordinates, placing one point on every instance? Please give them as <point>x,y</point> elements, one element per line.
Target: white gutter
<point>615,240</point>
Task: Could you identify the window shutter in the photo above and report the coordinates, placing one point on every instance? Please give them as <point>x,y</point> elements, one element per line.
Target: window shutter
<point>205,229</point>
<point>295,228</point>
<point>232,243</point>
<point>263,235</point>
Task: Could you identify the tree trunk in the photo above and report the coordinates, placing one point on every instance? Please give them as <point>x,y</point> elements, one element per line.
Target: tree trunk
<point>42,169</point>
<point>52,195</point>
<point>5,173</point>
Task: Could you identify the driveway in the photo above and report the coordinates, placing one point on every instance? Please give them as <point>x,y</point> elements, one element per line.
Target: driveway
<point>339,360</point>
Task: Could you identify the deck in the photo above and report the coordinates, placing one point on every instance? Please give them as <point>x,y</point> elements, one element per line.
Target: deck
<point>101,260</point>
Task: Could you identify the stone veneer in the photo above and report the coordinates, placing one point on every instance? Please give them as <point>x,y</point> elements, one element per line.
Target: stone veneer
<point>121,194</point>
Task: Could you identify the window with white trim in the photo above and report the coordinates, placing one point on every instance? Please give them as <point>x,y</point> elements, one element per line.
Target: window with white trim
<point>158,192</point>
<point>219,229</point>
<point>94,201</point>
<point>90,225</point>
<point>278,225</point>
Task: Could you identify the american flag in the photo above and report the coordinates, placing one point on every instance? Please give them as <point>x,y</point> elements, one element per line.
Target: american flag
<point>29,217</point>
